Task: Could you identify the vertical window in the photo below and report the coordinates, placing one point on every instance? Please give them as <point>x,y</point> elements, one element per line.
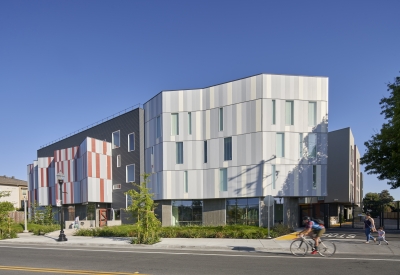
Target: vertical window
<point>205,151</point>
<point>300,145</point>
<point>312,145</point>
<point>115,139</point>
<point>223,179</point>
<point>228,148</point>
<point>312,113</point>
<point>351,154</point>
<point>273,172</point>
<point>221,119</point>
<point>179,152</point>
<point>152,150</point>
<point>158,126</point>
<point>130,173</point>
<point>131,142</point>
<point>128,200</point>
<point>185,181</point>
<point>289,113</point>
<point>314,176</point>
<point>280,145</point>
<point>190,123</point>
<point>174,124</point>
<point>118,160</point>
<point>273,112</point>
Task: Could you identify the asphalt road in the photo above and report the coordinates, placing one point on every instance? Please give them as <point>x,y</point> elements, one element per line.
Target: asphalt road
<point>17,259</point>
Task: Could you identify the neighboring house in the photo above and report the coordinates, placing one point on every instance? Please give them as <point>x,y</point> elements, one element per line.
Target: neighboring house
<point>214,153</point>
<point>98,163</point>
<point>345,184</point>
<point>17,188</point>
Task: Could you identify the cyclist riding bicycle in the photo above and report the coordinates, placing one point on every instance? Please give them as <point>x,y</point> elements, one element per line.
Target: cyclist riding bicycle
<point>311,229</point>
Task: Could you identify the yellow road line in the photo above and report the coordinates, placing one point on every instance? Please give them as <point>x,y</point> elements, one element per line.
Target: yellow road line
<point>288,237</point>
<point>65,271</point>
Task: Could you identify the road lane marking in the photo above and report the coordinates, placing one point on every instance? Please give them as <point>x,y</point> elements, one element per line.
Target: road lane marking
<point>252,255</point>
<point>64,271</point>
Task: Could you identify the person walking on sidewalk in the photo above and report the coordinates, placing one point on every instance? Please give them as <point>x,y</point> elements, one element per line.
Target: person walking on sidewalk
<point>369,226</point>
<point>381,236</point>
<point>76,225</point>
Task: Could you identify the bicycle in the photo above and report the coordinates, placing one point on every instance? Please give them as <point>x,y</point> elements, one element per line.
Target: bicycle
<point>300,247</point>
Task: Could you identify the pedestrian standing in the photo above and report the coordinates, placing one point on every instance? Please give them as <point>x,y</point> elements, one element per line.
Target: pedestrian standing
<point>381,236</point>
<point>76,222</point>
<point>369,226</point>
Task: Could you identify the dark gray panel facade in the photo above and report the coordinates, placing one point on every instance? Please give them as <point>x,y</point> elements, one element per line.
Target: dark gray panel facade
<point>130,122</point>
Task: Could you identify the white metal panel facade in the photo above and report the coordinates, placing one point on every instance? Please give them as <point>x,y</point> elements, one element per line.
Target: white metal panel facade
<point>247,118</point>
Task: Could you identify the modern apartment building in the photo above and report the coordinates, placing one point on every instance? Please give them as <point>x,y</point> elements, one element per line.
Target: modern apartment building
<point>99,164</point>
<point>214,153</point>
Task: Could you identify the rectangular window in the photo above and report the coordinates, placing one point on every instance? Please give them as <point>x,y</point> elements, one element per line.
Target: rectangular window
<point>301,145</point>
<point>221,119</point>
<point>128,200</point>
<point>205,151</point>
<point>228,148</point>
<point>314,176</point>
<point>312,145</point>
<point>152,150</point>
<point>174,124</point>
<point>179,152</point>
<point>273,172</point>
<point>190,123</point>
<point>118,160</point>
<point>273,112</point>
<point>130,173</point>
<point>185,181</point>
<point>312,113</point>
<point>289,113</point>
<point>280,145</point>
<point>223,179</point>
<point>131,142</point>
<point>115,139</point>
<point>158,126</point>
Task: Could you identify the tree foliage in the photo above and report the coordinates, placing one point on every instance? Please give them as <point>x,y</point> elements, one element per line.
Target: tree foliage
<point>382,155</point>
<point>142,210</point>
<point>6,230</point>
<point>378,202</point>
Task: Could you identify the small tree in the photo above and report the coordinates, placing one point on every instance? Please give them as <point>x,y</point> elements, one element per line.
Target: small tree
<point>5,221</point>
<point>142,210</point>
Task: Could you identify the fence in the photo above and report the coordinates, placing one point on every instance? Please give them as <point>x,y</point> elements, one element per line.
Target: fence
<point>17,216</point>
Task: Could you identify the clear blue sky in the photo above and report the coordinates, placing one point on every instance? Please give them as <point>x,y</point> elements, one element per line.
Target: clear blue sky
<point>67,64</point>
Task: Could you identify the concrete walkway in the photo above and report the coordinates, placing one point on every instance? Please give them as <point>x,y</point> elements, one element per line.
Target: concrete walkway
<point>344,246</point>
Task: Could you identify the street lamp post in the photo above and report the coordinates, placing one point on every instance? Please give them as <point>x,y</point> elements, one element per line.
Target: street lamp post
<point>62,237</point>
<point>26,222</point>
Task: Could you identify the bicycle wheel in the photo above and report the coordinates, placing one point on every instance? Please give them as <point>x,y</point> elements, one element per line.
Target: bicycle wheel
<point>298,248</point>
<point>326,248</point>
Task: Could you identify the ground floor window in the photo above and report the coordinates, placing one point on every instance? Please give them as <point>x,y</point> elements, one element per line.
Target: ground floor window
<point>187,212</point>
<point>243,211</point>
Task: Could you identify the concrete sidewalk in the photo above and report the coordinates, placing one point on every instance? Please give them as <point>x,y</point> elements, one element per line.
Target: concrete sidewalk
<point>344,246</point>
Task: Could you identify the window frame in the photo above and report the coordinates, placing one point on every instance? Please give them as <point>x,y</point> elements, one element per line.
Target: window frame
<point>281,153</point>
<point>176,132</point>
<point>314,176</point>
<point>179,152</point>
<point>273,112</point>
<point>126,173</point>
<point>312,120</point>
<point>205,149</point>
<point>221,119</point>
<point>311,153</point>
<point>190,123</point>
<point>289,107</point>
<point>185,182</point>
<point>223,179</point>
<point>113,139</point>
<point>227,148</point>
<point>158,126</point>
<point>118,160</point>
<point>129,142</point>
